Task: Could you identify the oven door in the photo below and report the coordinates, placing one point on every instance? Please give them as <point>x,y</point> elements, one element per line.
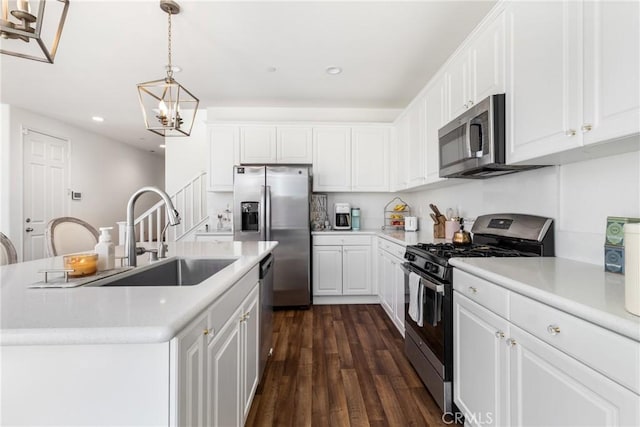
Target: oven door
<point>432,330</point>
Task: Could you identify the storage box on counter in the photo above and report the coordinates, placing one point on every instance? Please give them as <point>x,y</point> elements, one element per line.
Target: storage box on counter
<point>615,230</point>
<point>614,259</point>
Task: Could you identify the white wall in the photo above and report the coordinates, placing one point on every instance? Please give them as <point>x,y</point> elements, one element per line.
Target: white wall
<point>186,157</point>
<point>371,207</point>
<point>579,196</point>
<point>106,171</point>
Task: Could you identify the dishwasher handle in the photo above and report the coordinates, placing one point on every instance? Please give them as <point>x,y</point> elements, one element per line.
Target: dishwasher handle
<point>265,265</point>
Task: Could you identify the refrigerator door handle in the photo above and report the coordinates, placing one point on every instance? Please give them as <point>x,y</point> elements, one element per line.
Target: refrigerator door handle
<point>268,212</point>
<point>262,216</point>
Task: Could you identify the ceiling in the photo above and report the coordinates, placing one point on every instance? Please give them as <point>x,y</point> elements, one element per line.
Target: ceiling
<point>387,50</point>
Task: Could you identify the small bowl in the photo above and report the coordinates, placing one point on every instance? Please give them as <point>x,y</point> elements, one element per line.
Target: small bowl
<point>81,264</point>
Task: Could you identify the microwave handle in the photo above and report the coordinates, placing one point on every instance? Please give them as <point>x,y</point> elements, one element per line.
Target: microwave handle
<point>467,141</point>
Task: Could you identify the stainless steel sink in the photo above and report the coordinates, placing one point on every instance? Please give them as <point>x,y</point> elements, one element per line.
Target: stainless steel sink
<point>173,272</point>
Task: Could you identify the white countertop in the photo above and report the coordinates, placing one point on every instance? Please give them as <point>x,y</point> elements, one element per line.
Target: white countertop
<point>583,290</point>
<point>97,315</point>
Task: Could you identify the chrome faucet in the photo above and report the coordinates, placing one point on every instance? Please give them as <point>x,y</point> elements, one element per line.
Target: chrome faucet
<point>130,236</point>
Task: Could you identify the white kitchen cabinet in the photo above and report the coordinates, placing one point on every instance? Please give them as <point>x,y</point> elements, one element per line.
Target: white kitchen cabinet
<point>479,360</point>
<point>258,145</point>
<point>400,179</point>
<point>436,105</point>
<point>294,144</point>
<point>416,144</point>
<point>567,380</point>
<point>611,63</point>
<point>391,281</point>
<point>332,158</point>
<point>370,158</point>
<point>342,265</point>
<point>356,270</point>
<point>223,155</point>
<point>217,359</point>
<point>478,70</point>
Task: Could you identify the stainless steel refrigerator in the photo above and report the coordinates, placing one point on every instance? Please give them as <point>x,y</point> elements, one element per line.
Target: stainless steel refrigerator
<point>272,203</point>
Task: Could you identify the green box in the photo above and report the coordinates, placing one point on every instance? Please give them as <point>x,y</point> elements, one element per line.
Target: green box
<point>615,229</point>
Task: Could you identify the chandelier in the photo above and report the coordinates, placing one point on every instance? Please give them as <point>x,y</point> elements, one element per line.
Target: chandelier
<point>168,107</point>
<point>27,32</point>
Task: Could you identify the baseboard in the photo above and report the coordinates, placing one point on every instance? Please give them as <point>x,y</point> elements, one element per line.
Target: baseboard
<point>346,299</point>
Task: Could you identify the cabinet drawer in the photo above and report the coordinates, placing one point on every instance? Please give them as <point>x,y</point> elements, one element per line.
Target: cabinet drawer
<point>603,350</point>
<point>484,293</point>
<point>341,239</point>
<point>393,248</point>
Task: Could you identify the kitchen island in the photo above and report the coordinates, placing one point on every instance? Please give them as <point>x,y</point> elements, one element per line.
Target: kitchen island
<point>145,355</point>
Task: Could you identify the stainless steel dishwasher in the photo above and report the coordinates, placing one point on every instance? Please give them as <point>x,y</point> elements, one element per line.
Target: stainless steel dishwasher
<point>266,312</point>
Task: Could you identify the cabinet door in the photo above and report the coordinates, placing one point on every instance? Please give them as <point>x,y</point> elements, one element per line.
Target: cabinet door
<point>435,105</point>
<point>457,76</point>
<point>487,61</point>
<point>398,297</point>
<point>370,158</point>
<point>327,270</point>
<point>250,327</point>
<point>543,89</point>
<point>611,70</point>
<point>416,171</point>
<point>356,270</point>
<point>384,285</point>
<point>192,373</point>
<point>400,178</point>
<point>258,144</point>
<point>294,145</point>
<point>479,363</point>
<point>332,159</point>
<point>223,155</point>
<point>224,401</point>
<point>550,388</point>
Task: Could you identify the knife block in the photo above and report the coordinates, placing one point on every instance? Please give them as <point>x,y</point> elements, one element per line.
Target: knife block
<point>438,230</point>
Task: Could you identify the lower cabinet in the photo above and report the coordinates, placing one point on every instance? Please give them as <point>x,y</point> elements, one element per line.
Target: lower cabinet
<point>391,281</point>
<point>504,375</point>
<point>217,360</point>
<point>342,265</point>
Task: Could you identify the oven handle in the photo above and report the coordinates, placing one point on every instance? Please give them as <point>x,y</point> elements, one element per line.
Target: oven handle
<point>424,281</point>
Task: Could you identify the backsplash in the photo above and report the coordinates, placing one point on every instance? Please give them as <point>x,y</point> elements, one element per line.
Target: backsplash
<point>578,196</point>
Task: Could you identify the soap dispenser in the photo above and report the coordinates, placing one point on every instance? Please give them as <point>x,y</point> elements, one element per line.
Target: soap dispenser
<point>106,250</point>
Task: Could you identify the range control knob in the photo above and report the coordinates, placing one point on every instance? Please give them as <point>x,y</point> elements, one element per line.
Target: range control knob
<point>410,257</point>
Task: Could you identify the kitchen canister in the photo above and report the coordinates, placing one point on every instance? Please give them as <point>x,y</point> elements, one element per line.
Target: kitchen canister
<point>450,227</point>
<point>355,219</point>
<point>632,268</point>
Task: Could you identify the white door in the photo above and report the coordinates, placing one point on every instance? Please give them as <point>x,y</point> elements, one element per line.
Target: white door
<point>356,270</point>
<point>487,61</point>
<point>543,90</point>
<point>191,374</point>
<point>224,153</point>
<point>480,363</point>
<point>435,108</point>
<point>258,145</point>
<point>550,388</point>
<point>250,328</point>
<point>327,270</point>
<point>332,159</point>
<point>398,295</point>
<point>612,70</point>
<point>416,171</point>
<point>295,145</point>
<point>46,183</point>
<point>457,76</point>
<point>383,284</point>
<point>370,154</point>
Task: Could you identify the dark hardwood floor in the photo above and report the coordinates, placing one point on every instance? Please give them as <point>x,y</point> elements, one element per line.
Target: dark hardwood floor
<point>340,365</point>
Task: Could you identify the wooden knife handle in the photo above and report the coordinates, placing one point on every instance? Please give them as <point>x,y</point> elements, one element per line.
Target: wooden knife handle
<point>435,209</point>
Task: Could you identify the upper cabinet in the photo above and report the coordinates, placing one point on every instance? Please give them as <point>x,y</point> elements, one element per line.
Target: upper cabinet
<point>351,158</point>
<point>294,144</point>
<point>223,155</point>
<point>271,144</point>
<point>436,111</point>
<point>478,70</point>
<point>573,76</point>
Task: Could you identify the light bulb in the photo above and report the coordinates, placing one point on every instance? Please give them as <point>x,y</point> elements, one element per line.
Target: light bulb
<point>24,6</point>
<point>163,109</point>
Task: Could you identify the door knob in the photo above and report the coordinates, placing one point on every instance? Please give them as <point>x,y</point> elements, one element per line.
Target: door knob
<point>27,220</point>
<point>28,229</point>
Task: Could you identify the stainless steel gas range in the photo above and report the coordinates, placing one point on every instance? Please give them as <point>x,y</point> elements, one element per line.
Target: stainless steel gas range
<point>429,290</point>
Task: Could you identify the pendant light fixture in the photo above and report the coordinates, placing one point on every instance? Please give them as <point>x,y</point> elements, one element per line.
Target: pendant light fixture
<point>27,32</point>
<point>168,107</point>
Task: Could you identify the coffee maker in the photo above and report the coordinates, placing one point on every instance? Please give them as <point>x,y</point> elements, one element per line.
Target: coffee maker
<point>343,216</point>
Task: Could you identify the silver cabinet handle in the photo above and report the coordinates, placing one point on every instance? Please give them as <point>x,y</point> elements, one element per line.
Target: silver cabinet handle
<point>586,128</point>
<point>511,342</point>
<point>466,106</point>
<point>570,132</point>
<point>470,103</point>
<point>553,329</point>
<point>473,290</point>
<point>499,334</point>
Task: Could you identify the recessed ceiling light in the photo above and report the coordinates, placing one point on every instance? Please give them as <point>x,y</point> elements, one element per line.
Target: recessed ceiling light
<point>333,70</point>
<point>162,146</point>
<point>97,119</point>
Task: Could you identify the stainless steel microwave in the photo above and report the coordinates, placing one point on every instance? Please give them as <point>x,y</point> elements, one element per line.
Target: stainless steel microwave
<point>473,144</point>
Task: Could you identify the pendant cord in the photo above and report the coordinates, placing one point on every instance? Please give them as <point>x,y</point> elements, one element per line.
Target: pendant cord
<point>169,67</point>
